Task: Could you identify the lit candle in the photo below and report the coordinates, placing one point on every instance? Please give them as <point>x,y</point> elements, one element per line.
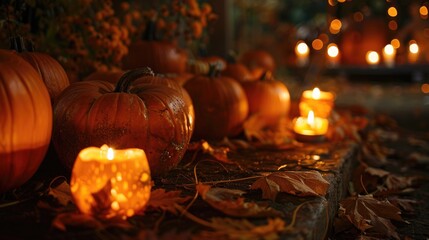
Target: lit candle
<point>310,128</point>
<point>320,102</point>
<point>372,58</point>
<point>108,183</point>
<point>333,55</point>
<point>302,52</point>
<point>389,53</point>
<point>413,53</point>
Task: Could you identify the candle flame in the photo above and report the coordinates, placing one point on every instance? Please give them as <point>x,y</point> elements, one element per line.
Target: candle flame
<point>310,118</point>
<point>414,48</point>
<point>389,49</point>
<point>316,93</point>
<point>110,154</point>
<point>302,48</point>
<point>372,57</point>
<point>333,50</point>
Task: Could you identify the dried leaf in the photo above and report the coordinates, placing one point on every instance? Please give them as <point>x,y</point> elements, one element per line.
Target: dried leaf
<point>227,228</point>
<point>256,128</point>
<point>102,200</point>
<point>64,221</point>
<point>235,144</point>
<point>419,158</point>
<point>60,192</point>
<point>369,214</point>
<point>219,153</point>
<point>300,183</point>
<point>165,201</point>
<point>385,180</point>
<point>230,202</point>
<point>404,204</point>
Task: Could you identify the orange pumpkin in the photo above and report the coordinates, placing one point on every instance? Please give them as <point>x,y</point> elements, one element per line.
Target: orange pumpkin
<point>238,71</point>
<point>255,59</point>
<point>220,106</point>
<point>268,98</point>
<point>25,120</point>
<point>51,71</point>
<point>160,56</point>
<point>153,117</point>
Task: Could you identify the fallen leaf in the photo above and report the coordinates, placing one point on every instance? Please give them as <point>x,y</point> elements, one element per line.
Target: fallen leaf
<point>230,202</point>
<point>219,153</point>
<point>404,204</point>
<point>165,201</point>
<point>227,228</point>
<point>256,128</point>
<point>419,158</point>
<point>102,201</point>
<point>369,214</point>
<point>63,221</point>
<point>300,183</point>
<point>59,190</point>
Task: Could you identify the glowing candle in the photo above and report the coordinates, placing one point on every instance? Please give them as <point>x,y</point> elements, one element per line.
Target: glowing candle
<point>413,53</point>
<point>372,58</point>
<point>320,102</point>
<point>389,53</point>
<point>108,183</point>
<point>302,53</point>
<point>333,55</point>
<point>310,128</point>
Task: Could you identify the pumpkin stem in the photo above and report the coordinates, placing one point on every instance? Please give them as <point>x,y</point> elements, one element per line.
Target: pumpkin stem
<point>17,43</point>
<point>267,76</point>
<point>149,32</point>
<point>214,70</point>
<point>128,78</point>
<point>231,57</point>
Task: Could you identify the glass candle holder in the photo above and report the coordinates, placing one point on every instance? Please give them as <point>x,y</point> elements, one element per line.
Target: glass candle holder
<point>320,102</point>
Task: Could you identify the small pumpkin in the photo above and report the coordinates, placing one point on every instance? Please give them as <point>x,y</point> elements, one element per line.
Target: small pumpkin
<point>160,56</point>
<point>153,117</point>
<point>220,105</point>
<point>51,71</point>
<point>268,98</point>
<point>256,60</point>
<point>25,120</point>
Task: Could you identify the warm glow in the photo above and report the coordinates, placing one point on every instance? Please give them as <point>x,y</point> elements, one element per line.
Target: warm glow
<point>310,119</point>
<point>423,11</point>
<point>388,49</point>
<point>302,48</point>
<point>393,25</point>
<point>110,154</point>
<point>372,57</point>
<point>358,16</point>
<point>333,50</point>
<point>395,43</point>
<point>324,37</point>
<point>317,44</point>
<point>332,2</point>
<point>392,12</point>
<point>106,182</point>
<point>316,93</point>
<point>425,88</point>
<point>341,1</point>
<point>336,24</point>
<point>414,48</point>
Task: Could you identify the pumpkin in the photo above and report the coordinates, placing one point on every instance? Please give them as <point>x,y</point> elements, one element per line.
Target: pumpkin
<point>257,60</point>
<point>220,105</point>
<point>238,71</point>
<point>25,120</point>
<point>153,117</point>
<point>160,56</point>
<point>268,98</point>
<point>52,73</point>
<point>361,37</point>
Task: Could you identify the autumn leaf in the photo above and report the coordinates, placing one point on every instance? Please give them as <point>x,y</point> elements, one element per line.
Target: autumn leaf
<point>256,128</point>
<point>219,153</point>
<point>404,204</point>
<point>227,228</point>
<point>419,158</point>
<point>102,200</point>
<point>166,201</point>
<point>300,183</point>
<point>230,202</point>
<point>369,214</point>
<point>61,191</point>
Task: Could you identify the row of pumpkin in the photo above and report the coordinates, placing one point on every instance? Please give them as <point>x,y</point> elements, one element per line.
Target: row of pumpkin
<point>134,108</point>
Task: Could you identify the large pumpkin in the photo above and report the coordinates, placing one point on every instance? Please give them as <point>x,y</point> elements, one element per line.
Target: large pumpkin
<point>220,106</point>
<point>153,117</point>
<point>256,59</point>
<point>52,73</point>
<point>268,98</point>
<point>160,56</point>
<point>25,120</point>
<point>109,76</point>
